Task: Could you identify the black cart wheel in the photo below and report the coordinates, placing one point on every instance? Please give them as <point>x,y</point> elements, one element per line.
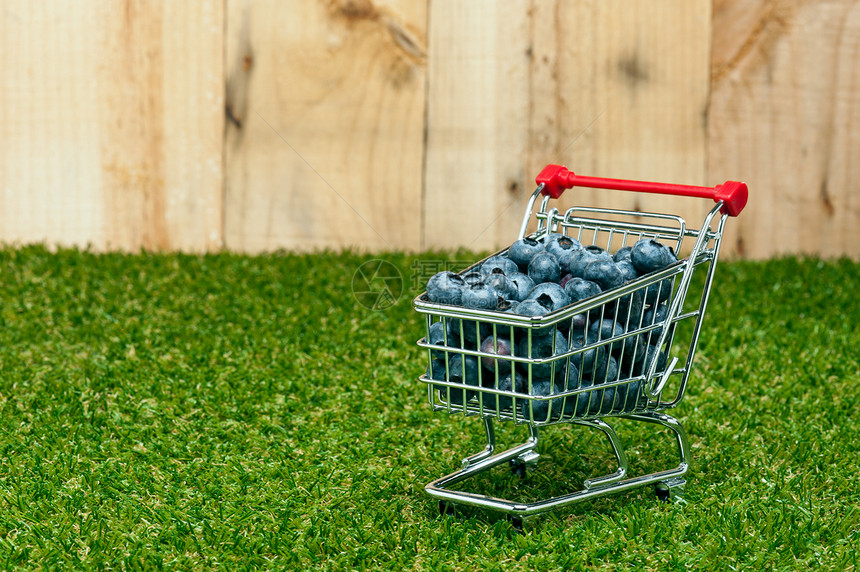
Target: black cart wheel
<point>446,508</point>
<point>663,492</point>
<point>516,523</point>
<point>518,468</point>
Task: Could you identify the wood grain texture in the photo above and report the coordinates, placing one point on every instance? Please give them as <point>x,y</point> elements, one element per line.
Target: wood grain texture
<point>785,115</point>
<point>112,116</point>
<point>324,142</point>
<point>609,88</point>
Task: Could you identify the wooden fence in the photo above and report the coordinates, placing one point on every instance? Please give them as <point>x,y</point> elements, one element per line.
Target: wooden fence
<point>254,125</point>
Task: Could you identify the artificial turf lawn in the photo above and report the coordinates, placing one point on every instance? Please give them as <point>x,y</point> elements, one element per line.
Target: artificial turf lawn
<point>233,411</point>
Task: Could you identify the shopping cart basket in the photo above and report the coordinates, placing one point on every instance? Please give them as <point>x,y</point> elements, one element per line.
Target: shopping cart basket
<point>564,366</point>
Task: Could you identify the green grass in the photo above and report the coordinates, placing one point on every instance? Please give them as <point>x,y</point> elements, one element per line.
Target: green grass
<point>224,411</point>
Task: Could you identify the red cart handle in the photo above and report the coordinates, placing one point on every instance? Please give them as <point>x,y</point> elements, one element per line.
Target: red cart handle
<point>557,178</point>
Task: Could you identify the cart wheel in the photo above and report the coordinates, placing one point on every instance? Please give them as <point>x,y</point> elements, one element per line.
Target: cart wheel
<point>663,492</point>
<point>446,508</point>
<point>518,468</point>
<point>516,523</point>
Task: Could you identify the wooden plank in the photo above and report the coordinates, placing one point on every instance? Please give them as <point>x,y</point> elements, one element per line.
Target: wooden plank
<point>325,139</point>
<point>114,114</point>
<point>610,88</point>
<point>477,122</point>
<point>785,116</point>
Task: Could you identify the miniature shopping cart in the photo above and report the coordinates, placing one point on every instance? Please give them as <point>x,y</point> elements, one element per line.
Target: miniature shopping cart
<point>553,371</point>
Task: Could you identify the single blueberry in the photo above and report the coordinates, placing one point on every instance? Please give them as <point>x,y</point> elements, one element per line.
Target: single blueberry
<point>480,296</point>
<point>554,291</point>
<point>633,350</point>
<point>473,278</point>
<point>628,271</point>
<point>509,382</point>
<point>606,369</point>
<point>500,262</point>
<point>437,336</point>
<point>648,255</point>
<point>579,289</point>
<point>562,247</point>
<point>543,346</point>
<point>522,251</point>
<point>462,369</point>
<point>605,329</point>
<point>446,288</point>
<point>622,254</point>
<point>629,396</point>
<point>652,353</point>
<point>544,267</point>
<point>496,346</point>
<point>605,273</point>
<point>540,410</point>
<point>504,286</point>
<point>580,403</point>
<point>584,359</point>
<point>655,315</point>
<point>470,332</point>
<point>523,284</point>
<point>658,292</point>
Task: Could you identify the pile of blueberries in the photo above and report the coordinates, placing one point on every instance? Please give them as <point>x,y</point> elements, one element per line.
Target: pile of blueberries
<point>533,278</point>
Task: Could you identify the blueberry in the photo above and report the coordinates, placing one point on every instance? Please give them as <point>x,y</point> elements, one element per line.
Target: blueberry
<point>579,289</point>
<point>470,332</point>
<point>510,382</point>
<point>523,285</point>
<point>544,267</point>
<point>543,346</point>
<point>606,369</point>
<point>446,288</point>
<point>577,323</point>
<point>628,396</point>
<point>541,409</point>
<point>649,255</point>
<point>437,337</point>
<point>554,291</point>
<point>473,278</point>
<point>535,307</point>
<point>652,353</point>
<point>608,402</point>
<point>499,262</point>
<point>584,360</point>
<point>605,329</point>
<point>582,258</point>
<point>504,287</point>
<point>499,346</point>
<point>630,308</point>
<point>572,376</point>
<point>522,251</point>
<point>622,254</point>
<point>655,315</point>
<point>549,237</point>
<point>633,349</point>
<point>581,403</point>
<point>462,369</point>
<point>628,271</point>
<point>658,292</point>
<point>604,272</point>
<point>480,296</point>
<point>562,247</point>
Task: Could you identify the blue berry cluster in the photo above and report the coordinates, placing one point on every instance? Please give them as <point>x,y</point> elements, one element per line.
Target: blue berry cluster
<point>535,277</point>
